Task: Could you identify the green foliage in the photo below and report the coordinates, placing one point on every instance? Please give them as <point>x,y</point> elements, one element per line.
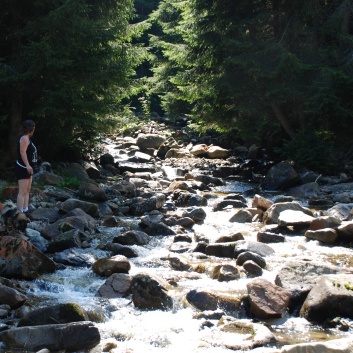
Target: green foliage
<point>70,62</point>
<point>312,150</point>
<point>70,183</point>
<point>263,68</point>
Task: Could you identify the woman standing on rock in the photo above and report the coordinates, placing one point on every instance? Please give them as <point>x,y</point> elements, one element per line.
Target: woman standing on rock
<point>26,164</point>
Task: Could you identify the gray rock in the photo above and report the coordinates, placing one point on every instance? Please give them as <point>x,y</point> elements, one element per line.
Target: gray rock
<point>150,293</point>
<point>118,285</point>
<point>330,297</point>
<point>267,300</point>
<point>72,337</point>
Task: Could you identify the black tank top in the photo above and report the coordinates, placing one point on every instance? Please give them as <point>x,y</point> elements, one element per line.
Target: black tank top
<point>31,154</point>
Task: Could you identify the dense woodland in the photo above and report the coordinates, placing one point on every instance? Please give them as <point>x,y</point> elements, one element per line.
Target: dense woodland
<point>275,72</point>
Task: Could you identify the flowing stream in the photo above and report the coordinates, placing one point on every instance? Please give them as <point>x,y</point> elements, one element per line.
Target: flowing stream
<point>176,330</point>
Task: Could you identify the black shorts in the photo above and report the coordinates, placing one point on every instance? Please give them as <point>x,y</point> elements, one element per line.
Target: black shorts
<point>21,173</point>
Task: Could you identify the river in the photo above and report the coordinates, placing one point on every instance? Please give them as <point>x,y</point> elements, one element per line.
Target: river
<point>144,331</point>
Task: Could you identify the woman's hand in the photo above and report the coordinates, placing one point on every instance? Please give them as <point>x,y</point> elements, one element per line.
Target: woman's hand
<point>29,170</point>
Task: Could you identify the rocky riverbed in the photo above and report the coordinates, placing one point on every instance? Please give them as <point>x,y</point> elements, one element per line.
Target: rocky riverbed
<point>173,243</point>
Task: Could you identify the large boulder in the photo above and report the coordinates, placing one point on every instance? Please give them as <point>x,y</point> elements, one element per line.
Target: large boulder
<point>299,277</point>
<point>332,296</point>
<point>115,264</point>
<point>272,214</point>
<point>12,297</point>
<point>150,293</point>
<point>266,299</point>
<point>146,141</point>
<point>21,259</point>
<point>204,300</point>
<point>116,286</point>
<point>75,336</point>
<point>281,176</point>
<point>54,314</point>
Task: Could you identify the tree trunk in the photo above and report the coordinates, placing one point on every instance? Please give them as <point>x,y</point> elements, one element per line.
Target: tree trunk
<point>346,19</point>
<point>15,123</point>
<point>282,119</point>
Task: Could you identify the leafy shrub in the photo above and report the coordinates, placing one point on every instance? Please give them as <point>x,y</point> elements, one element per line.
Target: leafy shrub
<point>312,150</point>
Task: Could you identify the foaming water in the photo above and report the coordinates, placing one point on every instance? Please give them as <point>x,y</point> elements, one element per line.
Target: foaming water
<point>176,330</point>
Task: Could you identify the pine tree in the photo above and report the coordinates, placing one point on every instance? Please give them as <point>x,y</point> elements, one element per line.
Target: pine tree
<point>66,64</point>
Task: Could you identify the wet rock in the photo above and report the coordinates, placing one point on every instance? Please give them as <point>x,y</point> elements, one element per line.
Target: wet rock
<point>342,345</point>
<point>132,237</point>
<point>124,188</point>
<point>294,218</point>
<point>106,158</point>
<point>178,263</point>
<point>37,240</point>
<point>70,239</point>
<point>52,231</point>
<point>331,296</point>
<point>252,269</point>
<point>309,190</point>
<point>142,206</point>
<point>178,185</point>
<point>241,216</point>
<point>226,203</point>
<point>269,237</point>
<point>241,335</point>
<point>116,286</point>
<point>248,255</point>
<point>186,199</point>
<point>12,297</point>
<point>180,247</point>
<point>299,277</point>
<point>118,249</point>
<point>324,222</point>
<point>256,247</point>
<point>54,314</point>
<point>203,300</point>
<point>150,293</point>
<point>75,257</point>
<point>261,202</point>
<point>340,211</point>
<point>88,207</point>
<point>158,228</point>
<point>230,238</point>
<point>225,273</point>
<point>205,179</point>
<point>345,231</point>
<point>220,249</point>
<point>281,176</point>
<point>267,300</point>
<point>45,213</point>
<point>107,266</point>
<point>195,213</point>
<point>72,337</point>
<point>272,214</point>
<point>178,153</point>
<point>20,259</point>
<point>325,235</point>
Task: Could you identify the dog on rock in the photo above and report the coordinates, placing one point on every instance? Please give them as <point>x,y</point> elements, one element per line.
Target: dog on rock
<point>12,218</point>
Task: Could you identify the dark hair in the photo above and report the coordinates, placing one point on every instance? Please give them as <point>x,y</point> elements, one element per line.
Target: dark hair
<point>28,126</point>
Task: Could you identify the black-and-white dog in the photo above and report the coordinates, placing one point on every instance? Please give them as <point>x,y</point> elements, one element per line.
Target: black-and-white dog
<point>12,218</point>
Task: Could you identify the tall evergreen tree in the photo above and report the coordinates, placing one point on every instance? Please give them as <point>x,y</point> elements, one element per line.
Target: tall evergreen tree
<point>251,64</point>
<point>66,64</point>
